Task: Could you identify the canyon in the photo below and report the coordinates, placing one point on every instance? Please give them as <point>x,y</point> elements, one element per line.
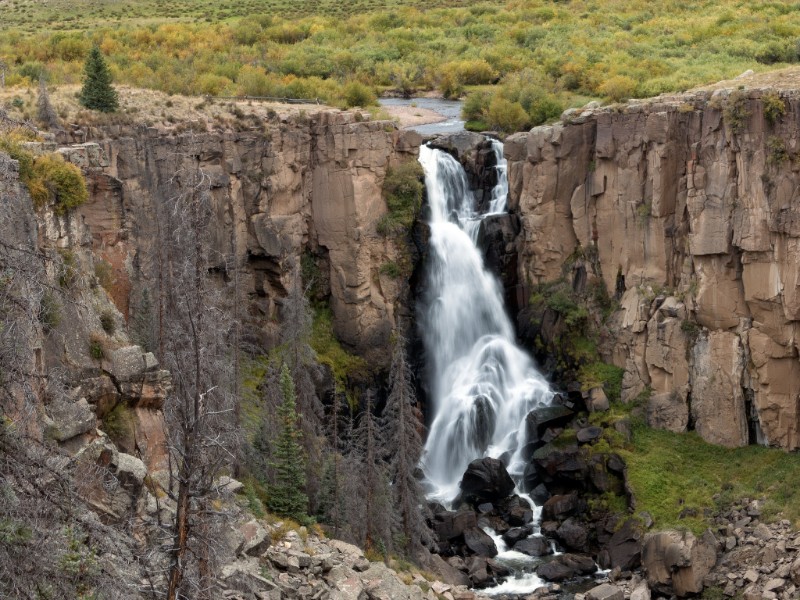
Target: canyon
<point>681,209</point>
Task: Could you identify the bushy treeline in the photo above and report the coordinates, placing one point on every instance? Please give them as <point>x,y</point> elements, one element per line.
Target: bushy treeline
<point>565,51</point>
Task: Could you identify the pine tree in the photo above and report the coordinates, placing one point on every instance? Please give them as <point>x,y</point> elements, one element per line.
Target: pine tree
<point>402,423</point>
<point>97,92</point>
<point>287,495</point>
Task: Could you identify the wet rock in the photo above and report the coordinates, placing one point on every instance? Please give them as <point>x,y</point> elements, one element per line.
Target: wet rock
<point>486,479</point>
<point>533,546</point>
<point>540,494</point>
<point>512,536</point>
<point>479,542</point>
<point>478,572</point>
<point>566,566</point>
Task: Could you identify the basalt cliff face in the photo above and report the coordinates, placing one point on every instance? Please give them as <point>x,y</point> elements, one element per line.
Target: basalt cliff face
<point>304,186</point>
<point>687,208</point>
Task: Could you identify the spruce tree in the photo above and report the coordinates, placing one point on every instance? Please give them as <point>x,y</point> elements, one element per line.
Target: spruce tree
<point>287,495</point>
<point>97,92</point>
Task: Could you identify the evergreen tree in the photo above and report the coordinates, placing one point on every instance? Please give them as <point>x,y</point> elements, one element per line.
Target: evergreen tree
<point>97,92</point>
<point>296,329</point>
<point>287,495</point>
<point>402,423</point>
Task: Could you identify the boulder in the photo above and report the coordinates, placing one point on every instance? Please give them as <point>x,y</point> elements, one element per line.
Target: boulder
<point>677,562</point>
<point>605,591</point>
<point>486,479</point>
<point>624,549</point>
<point>560,506</point>
<point>512,536</point>
<point>67,420</point>
<point>451,525</point>
<point>540,419</point>
<point>533,546</point>
<point>588,435</point>
<point>478,571</point>
<point>573,535</point>
<point>596,400</point>
<point>479,542</point>
<point>566,566</point>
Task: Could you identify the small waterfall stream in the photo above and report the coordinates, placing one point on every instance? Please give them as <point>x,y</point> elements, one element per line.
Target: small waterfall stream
<point>483,384</point>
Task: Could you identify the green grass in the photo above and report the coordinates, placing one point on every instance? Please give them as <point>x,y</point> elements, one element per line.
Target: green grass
<point>330,352</point>
<point>547,55</point>
<point>671,472</point>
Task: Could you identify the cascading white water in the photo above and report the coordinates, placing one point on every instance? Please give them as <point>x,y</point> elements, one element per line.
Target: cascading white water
<point>483,384</point>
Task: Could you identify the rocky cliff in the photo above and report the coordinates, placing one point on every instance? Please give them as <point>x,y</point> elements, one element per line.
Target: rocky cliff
<point>284,189</point>
<point>686,208</point>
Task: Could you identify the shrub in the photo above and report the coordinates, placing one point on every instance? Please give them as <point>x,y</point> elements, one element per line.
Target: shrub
<point>107,322</point>
<point>618,88</point>
<point>506,116</point>
<point>402,190</point>
<point>736,111</point>
<point>390,269</point>
<point>119,422</point>
<point>356,93</point>
<point>62,182</point>
<point>774,107</point>
<point>68,271</point>
<point>105,274</point>
<point>49,311</point>
<point>96,350</point>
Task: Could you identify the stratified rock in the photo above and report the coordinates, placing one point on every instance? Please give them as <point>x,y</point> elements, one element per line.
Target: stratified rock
<point>486,479</point>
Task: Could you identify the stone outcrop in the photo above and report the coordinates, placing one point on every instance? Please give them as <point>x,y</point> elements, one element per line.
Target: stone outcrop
<point>677,562</point>
<point>686,207</point>
<point>280,191</point>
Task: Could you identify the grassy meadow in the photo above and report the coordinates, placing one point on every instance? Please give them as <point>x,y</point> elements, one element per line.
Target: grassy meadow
<point>519,63</point>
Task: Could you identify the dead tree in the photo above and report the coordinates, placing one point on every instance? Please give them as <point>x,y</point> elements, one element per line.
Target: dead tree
<point>44,109</point>
<point>402,423</point>
<point>200,412</point>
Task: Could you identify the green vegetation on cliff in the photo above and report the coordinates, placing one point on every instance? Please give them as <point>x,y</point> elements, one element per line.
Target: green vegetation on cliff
<point>47,177</point>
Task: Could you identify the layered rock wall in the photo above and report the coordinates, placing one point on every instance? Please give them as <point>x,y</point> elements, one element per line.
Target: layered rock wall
<point>284,189</point>
<point>688,206</point>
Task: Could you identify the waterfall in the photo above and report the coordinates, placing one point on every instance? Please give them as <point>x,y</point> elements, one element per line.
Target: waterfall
<point>483,385</point>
